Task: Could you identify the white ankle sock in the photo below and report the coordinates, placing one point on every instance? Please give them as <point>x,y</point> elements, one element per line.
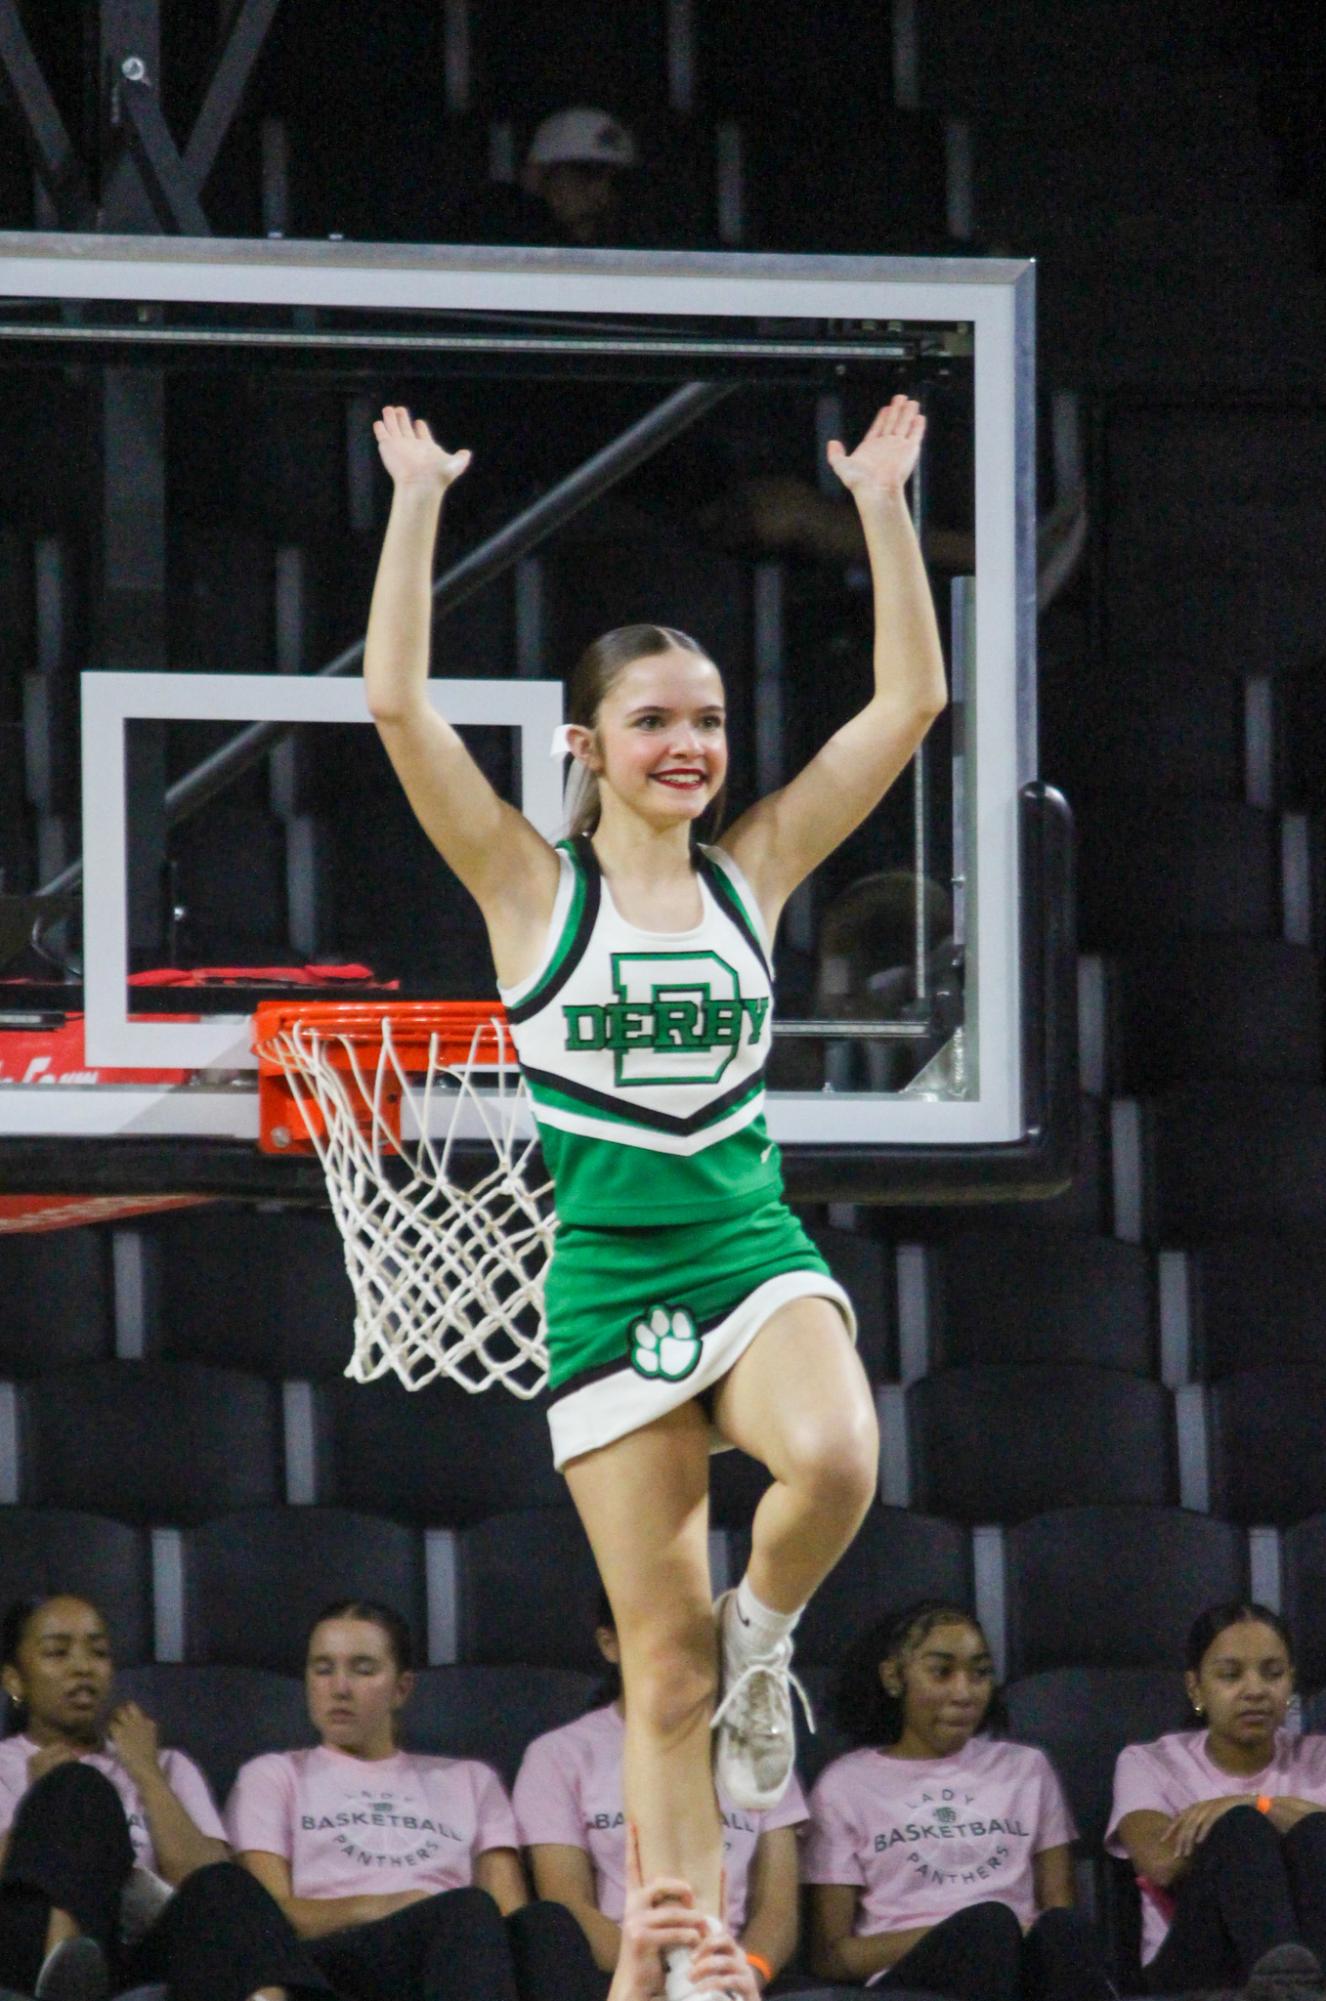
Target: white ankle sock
<point>752,1627</point>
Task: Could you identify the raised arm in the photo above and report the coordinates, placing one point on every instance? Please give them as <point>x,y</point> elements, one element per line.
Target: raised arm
<point>784,837</point>
<point>507,866</point>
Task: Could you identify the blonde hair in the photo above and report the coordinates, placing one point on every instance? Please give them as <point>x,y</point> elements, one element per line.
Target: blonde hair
<point>595,674</point>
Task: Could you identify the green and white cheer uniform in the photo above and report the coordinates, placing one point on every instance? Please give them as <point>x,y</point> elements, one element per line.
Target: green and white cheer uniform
<point>645,1053</point>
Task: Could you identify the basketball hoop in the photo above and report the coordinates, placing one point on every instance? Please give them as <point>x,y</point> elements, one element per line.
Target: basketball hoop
<point>447,1271</point>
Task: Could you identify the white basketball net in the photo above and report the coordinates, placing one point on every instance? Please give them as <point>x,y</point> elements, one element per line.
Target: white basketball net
<point>448,1279</point>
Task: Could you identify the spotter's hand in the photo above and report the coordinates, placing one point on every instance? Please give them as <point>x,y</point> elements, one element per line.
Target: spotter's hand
<point>412,455</point>
<point>886,457</point>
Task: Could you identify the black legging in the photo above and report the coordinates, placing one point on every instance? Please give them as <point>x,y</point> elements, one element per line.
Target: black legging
<point>222,1936</point>
<point>456,1946</point>
<point>1249,1888</point>
<point>981,1954</point>
<point>218,1939</point>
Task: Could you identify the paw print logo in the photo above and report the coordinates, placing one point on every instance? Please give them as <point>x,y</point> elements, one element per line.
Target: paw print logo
<point>665,1344</point>
<point>944,1814</point>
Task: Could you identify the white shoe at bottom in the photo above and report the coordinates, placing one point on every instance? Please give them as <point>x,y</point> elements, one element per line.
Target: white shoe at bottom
<point>755,1743</point>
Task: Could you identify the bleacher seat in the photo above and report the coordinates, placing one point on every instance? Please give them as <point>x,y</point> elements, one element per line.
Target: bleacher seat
<point>266,1292</point>
<point>492,1712</point>
<point>48,1550</point>
<point>1303,1602</point>
<point>1082,1717</point>
<point>897,1555</point>
<point>222,1716</point>
<point>152,1442</point>
<point>436,1455</point>
<point>529,1590</point>
<point>864,1266</point>
<point>1268,1444</point>
<point>1000,1443</point>
<point>1168,723</point>
<point>1215,1009</point>
<point>254,1582</point>
<point>1256,1301</point>
<point>1006,1297</point>
<point>1226,1158</point>
<point>1156,867</point>
<point>1161,1565</point>
<point>56,1305</point>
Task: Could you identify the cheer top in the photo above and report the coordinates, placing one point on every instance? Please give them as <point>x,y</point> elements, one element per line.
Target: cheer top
<point>645,1052</point>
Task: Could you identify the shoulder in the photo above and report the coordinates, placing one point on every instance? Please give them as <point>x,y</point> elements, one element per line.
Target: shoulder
<point>273,1769</point>
<point>179,1765</point>
<point>849,1776</point>
<point>455,1774</point>
<point>567,1742</point>
<point>1159,1758</point>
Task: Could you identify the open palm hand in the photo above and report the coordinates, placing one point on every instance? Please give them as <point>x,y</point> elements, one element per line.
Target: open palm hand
<point>411,454</point>
<point>884,460</point>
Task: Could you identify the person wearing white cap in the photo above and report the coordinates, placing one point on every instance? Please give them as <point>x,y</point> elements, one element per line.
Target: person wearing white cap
<point>575,167</point>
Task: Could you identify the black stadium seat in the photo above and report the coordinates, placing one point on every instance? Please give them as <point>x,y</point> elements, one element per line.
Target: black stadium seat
<point>255,1581</point>
<point>1082,1718</point>
<point>1233,1158</point>
<point>492,1713</point>
<point>1005,1297</point>
<point>1268,1444</point>
<point>153,1442</point>
<point>1114,1586</point>
<point>438,1455</point>
<point>261,1292</point>
<point>48,1550</point>
<point>897,1555</point>
<point>1000,1443</point>
<point>529,1590</point>
<point>222,1716</point>
<point>1192,1009</point>
<point>56,1306</point>
<point>1165,865</point>
<point>1303,1569</point>
<point>1255,1301</point>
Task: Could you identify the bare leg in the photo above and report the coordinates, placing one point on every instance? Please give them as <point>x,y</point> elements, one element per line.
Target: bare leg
<point>60,1927</point>
<point>798,1401</point>
<point>644,1501</point>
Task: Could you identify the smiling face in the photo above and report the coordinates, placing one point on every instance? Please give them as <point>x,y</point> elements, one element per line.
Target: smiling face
<point>1242,1689</point>
<point>62,1672</point>
<point>945,1680</point>
<point>354,1688</point>
<point>659,744</point>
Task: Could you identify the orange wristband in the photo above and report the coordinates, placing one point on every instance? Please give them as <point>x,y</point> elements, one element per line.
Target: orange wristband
<point>761,1965</point>
<point>1264,1802</point>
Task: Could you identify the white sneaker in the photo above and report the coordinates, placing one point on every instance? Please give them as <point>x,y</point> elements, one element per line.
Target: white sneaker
<point>755,1742</point>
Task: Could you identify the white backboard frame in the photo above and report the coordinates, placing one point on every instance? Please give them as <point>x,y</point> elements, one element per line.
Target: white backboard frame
<point>995,297</point>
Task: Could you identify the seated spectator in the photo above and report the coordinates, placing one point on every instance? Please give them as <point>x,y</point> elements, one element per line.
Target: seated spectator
<point>568,1801</point>
<point>114,1855</point>
<point>1223,1823</point>
<point>940,1858</point>
<point>399,1872</point>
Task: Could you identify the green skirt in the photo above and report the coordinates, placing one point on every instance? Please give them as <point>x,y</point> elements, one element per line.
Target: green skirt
<point>642,1320</point>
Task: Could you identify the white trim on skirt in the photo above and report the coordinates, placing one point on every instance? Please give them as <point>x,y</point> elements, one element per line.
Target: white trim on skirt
<point>625,1400</point>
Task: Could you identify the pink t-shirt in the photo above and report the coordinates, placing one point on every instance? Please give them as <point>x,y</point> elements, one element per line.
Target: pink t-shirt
<point>924,1837</point>
<point>352,1827</point>
<point>569,1790</point>
<point>1175,1772</point>
<point>181,1775</point>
